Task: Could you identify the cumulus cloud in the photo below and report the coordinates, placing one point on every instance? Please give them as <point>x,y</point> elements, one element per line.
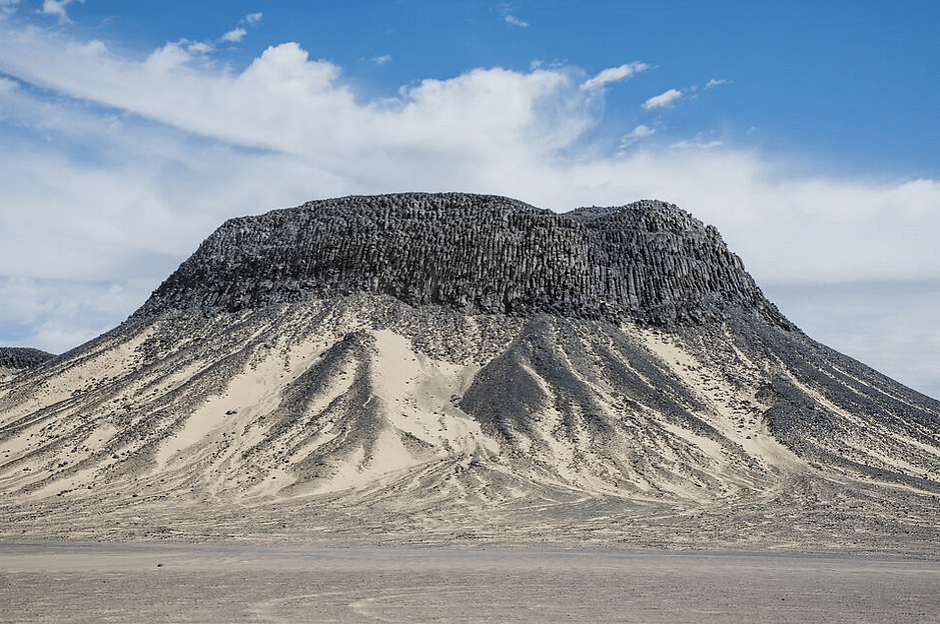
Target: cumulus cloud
<point>663,99</point>
<point>234,36</point>
<point>382,60</point>
<point>615,74</point>
<point>253,19</point>
<point>150,155</point>
<point>288,102</point>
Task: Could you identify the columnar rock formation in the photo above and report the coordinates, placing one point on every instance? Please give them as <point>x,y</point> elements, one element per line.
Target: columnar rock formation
<point>648,262</point>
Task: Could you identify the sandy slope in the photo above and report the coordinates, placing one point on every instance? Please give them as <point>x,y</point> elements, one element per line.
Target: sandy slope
<point>422,422</point>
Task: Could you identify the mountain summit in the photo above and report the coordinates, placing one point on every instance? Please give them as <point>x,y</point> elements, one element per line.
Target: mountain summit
<point>647,262</point>
<point>435,366</point>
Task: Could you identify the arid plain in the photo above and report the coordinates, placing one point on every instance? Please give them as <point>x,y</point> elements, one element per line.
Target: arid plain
<point>80,582</point>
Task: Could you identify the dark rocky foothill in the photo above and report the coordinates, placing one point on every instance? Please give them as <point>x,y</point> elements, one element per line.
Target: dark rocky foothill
<point>648,262</point>
<point>22,357</point>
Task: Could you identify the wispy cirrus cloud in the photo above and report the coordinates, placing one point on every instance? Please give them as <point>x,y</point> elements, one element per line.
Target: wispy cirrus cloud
<point>614,74</point>
<point>687,144</point>
<point>6,85</point>
<point>640,132</point>
<point>662,100</point>
<point>57,8</point>
<point>669,98</point>
<point>507,10</point>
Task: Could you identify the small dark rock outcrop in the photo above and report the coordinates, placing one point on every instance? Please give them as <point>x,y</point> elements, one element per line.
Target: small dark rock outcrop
<point>648,262</point>
<point>22,357</point>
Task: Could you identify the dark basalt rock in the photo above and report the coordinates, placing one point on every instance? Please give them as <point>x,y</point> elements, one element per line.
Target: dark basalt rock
<point>22,357</point>
<point>648,262</point>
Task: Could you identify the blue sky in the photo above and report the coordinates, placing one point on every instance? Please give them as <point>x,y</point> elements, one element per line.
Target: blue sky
<point>804,131</point>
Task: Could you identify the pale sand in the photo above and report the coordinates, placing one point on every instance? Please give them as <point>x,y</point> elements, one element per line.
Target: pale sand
<point>150,447</point>
<point>418,422</point>
<point>752,435</point>
<point>233,583</point>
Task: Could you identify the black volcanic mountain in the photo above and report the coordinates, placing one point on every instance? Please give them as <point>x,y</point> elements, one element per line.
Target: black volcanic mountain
<point>451,365</point>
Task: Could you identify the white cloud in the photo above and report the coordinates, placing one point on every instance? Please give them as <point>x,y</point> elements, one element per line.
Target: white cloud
<point>615,74</point>
<point>56,315</point>
<point>687,144</point>
<point>199,47</point>
<point>382,60</point>
<point>253,19</point>
<point>7,7</point>
<point>636,134</point>
<point>714,83</point>
<point>234,36</point>
<point>173,146</point>
<point>507,10</point>
<point>663,99</point>
<point>491,130</point>
<point>287,102</point>
<point>57,7</point>
<point>886,324</point>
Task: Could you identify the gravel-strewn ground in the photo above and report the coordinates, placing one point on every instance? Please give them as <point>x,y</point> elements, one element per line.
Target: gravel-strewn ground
<point>244,582</point>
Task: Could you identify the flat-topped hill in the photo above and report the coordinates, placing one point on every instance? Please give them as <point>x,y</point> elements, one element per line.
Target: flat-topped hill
<point>424,367</point>
<point>648,261</point>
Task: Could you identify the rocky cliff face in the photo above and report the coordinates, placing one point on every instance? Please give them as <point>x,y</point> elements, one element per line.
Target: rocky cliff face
<point>647,262</point>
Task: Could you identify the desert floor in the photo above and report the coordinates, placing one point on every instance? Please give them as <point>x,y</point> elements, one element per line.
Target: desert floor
<point>249,582</point>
